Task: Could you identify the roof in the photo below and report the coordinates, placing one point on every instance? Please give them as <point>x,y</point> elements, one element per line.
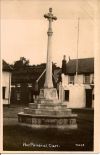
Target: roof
<point>6,67</point>
<point>85,66</point>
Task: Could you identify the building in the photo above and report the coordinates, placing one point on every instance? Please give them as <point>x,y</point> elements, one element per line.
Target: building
<point>76,89</point>
<point>6,82</point>
<point>23,84</point>
<point>26,83</point>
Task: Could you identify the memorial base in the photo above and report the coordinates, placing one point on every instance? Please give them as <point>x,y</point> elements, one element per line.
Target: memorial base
<point>48,112</point>
<point>41,121</point>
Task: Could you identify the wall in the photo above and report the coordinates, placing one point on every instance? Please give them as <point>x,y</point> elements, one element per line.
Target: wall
<point>77,94</point>
<point>6,82</point>
<point>80,78</point>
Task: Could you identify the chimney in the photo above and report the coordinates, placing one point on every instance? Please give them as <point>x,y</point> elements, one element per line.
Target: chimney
<point>64,65</point>
<point>64,57</point>
<point>69,58</point>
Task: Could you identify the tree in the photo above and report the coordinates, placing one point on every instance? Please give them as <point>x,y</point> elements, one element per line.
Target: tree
<point>22,62</point>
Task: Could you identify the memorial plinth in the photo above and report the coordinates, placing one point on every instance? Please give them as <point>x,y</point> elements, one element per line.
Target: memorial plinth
<point>47,110</point>
<point>48,115</point>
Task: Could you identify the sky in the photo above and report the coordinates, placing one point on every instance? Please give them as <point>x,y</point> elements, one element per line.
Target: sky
<point>24,29</point>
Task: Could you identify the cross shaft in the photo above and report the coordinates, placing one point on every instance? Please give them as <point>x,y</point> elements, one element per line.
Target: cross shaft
<point>48,79</point>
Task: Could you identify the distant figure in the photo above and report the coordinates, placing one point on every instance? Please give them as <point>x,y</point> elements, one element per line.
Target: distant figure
<point>36,91</point>
<point>58,89</point>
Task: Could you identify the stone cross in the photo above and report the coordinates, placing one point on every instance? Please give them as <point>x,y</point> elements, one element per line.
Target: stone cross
<point>48,79</point>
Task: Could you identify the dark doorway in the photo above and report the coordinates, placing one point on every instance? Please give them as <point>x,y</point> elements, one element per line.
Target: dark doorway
<point>66,95</point>
<point>3,92</point>
<point>30,96</point>
<point>88,98</point>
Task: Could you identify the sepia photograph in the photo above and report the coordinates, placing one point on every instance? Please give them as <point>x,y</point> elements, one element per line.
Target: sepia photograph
<point>48,53</point>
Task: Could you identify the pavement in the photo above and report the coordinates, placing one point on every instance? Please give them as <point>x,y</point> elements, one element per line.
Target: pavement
<point>10,114</point>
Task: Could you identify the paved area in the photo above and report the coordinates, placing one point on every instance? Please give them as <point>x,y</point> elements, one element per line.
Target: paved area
<point>10,114</point>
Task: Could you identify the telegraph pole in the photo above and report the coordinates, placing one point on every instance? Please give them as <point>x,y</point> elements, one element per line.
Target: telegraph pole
<point>77,51</point>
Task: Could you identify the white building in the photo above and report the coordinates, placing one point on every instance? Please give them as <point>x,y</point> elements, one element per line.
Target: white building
<point>77,90</point>
<point>6,83</point>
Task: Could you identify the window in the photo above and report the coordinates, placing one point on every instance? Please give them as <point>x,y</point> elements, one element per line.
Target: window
<point>18,96</point>
<point>66,95</point>
<point>3,92</point>
<point>93,79</point>
<point>92,96</point>
<point>18,85</point>
<point>71,79</point>
<point>87,79</point>
<point>29,84</point>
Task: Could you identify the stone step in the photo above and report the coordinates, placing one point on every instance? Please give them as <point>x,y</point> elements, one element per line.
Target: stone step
<point>43,106</point>
<point>47,111</point>
<point>47,105</point>
<point>33,105</point>
<point>29,111</point>
<point>46,101</point>
<point>46,116</point>
<point>42,101</point>
<point>52,112</point>
<point>53,107</point>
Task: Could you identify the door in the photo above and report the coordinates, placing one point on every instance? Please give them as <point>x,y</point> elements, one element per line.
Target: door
<point>88,98</point>
<point>66,95</point>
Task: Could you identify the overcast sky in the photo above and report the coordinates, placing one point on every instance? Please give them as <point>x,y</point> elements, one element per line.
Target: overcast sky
<point>24,29</point>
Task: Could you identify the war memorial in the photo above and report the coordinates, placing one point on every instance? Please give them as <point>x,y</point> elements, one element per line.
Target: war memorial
<point>47,110</point>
